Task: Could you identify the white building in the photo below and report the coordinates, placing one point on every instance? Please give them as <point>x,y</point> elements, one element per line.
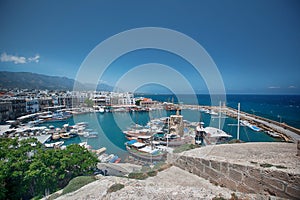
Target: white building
<point>32,105</point>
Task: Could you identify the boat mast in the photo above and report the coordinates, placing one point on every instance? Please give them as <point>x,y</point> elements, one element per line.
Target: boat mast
<point>238,125</point>
<point>168,131</point>
<point>220,113</point>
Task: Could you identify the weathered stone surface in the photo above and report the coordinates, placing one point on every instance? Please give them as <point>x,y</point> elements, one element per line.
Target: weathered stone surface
<point>253,184</point>
<point>273,191</point>
<point>255,172</point>
<point>215,165</point>
<point>235,175</point>
<point>284,176</point>
<point>228,165</point>
<point>243,188</point>
<point>224,168</point>
<point>212,173</point>
<point>293,191</point>
<point>227,183</point>
<point>274,183</point>
<point>206,162</point>
<point>237,167</point>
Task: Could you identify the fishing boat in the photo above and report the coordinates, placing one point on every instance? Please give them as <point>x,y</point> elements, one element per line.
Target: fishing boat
<point>144,152</point>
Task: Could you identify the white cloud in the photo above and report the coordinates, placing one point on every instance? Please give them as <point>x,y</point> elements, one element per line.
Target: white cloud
<point>34,59</point>
<point>18,59</point>
<point>274,87</point>
<point>292,87</point>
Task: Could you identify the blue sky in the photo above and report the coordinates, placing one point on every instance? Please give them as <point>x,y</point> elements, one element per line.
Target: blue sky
<point>255,44</point>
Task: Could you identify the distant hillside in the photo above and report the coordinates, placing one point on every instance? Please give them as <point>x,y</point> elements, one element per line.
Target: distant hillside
<point>28,80</point>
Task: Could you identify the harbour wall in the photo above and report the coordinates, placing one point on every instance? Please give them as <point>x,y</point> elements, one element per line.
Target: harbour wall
<point>241,178</point>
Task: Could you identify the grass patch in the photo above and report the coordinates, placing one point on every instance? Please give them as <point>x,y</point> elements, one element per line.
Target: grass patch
<point>280,166</point>
<point>184,147</point>
<point>266,165</point>
<point>138,175</point>
<point>77,183</point>
<point>152,173</point>
<point>115,187</point>
<point>53,196</point>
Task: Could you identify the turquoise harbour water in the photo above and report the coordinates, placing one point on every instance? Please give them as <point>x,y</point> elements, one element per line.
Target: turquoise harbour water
<point>110,126</point>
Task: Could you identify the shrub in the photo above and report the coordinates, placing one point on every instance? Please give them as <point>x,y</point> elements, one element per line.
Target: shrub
<point>138,175</point>
<point>77,183</point>
<point>152,173</point>
<point>115,187</point>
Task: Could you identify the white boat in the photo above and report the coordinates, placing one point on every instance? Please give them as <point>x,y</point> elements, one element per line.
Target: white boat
<point>101,110</point>
<point>248,124</point>
<point>54,144</point>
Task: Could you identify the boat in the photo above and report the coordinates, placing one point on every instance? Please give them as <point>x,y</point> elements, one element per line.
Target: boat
<point>91,134</point>
<point>54,144</point>
<point>113,159</point>
<point>55,136</point>
<point>251,126</point>
<point>105,158</point>
<point>213,113</point>
<point>65,135</point>
<point>215,136</point>
<point>144,151</point>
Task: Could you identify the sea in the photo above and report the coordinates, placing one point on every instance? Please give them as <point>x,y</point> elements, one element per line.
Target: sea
<point>282,108</point>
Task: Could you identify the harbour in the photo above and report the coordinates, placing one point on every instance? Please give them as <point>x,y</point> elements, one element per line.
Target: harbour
<point>111,127</point>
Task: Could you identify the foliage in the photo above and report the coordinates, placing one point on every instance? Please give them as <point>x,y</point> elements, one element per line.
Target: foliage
<point>184,147</point>
<point>152,173</point>
<point>115,187</point>
<point>267,165</point>
<point>138,175</point>
<point>28,170</point>
<point>89,102</point>
<point>77,183</point>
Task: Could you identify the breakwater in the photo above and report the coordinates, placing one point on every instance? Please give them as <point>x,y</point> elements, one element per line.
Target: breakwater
<point>285,131</point>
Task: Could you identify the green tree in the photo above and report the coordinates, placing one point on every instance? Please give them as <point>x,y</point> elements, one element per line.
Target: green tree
<point>27,169</point>
<point>89,102</point>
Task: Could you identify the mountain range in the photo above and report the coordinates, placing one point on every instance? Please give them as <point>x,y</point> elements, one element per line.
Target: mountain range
<point>28,80</point>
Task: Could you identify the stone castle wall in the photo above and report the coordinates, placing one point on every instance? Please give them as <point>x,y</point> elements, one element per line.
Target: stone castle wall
<point>241,178</point>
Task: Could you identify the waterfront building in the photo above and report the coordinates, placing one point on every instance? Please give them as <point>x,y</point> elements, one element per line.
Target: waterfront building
<point>5,111</point>
<point>148,103</point>
<point>101,99</point>
<point>18,106</point>
<point>32,105</point>
<point>45,102</point>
